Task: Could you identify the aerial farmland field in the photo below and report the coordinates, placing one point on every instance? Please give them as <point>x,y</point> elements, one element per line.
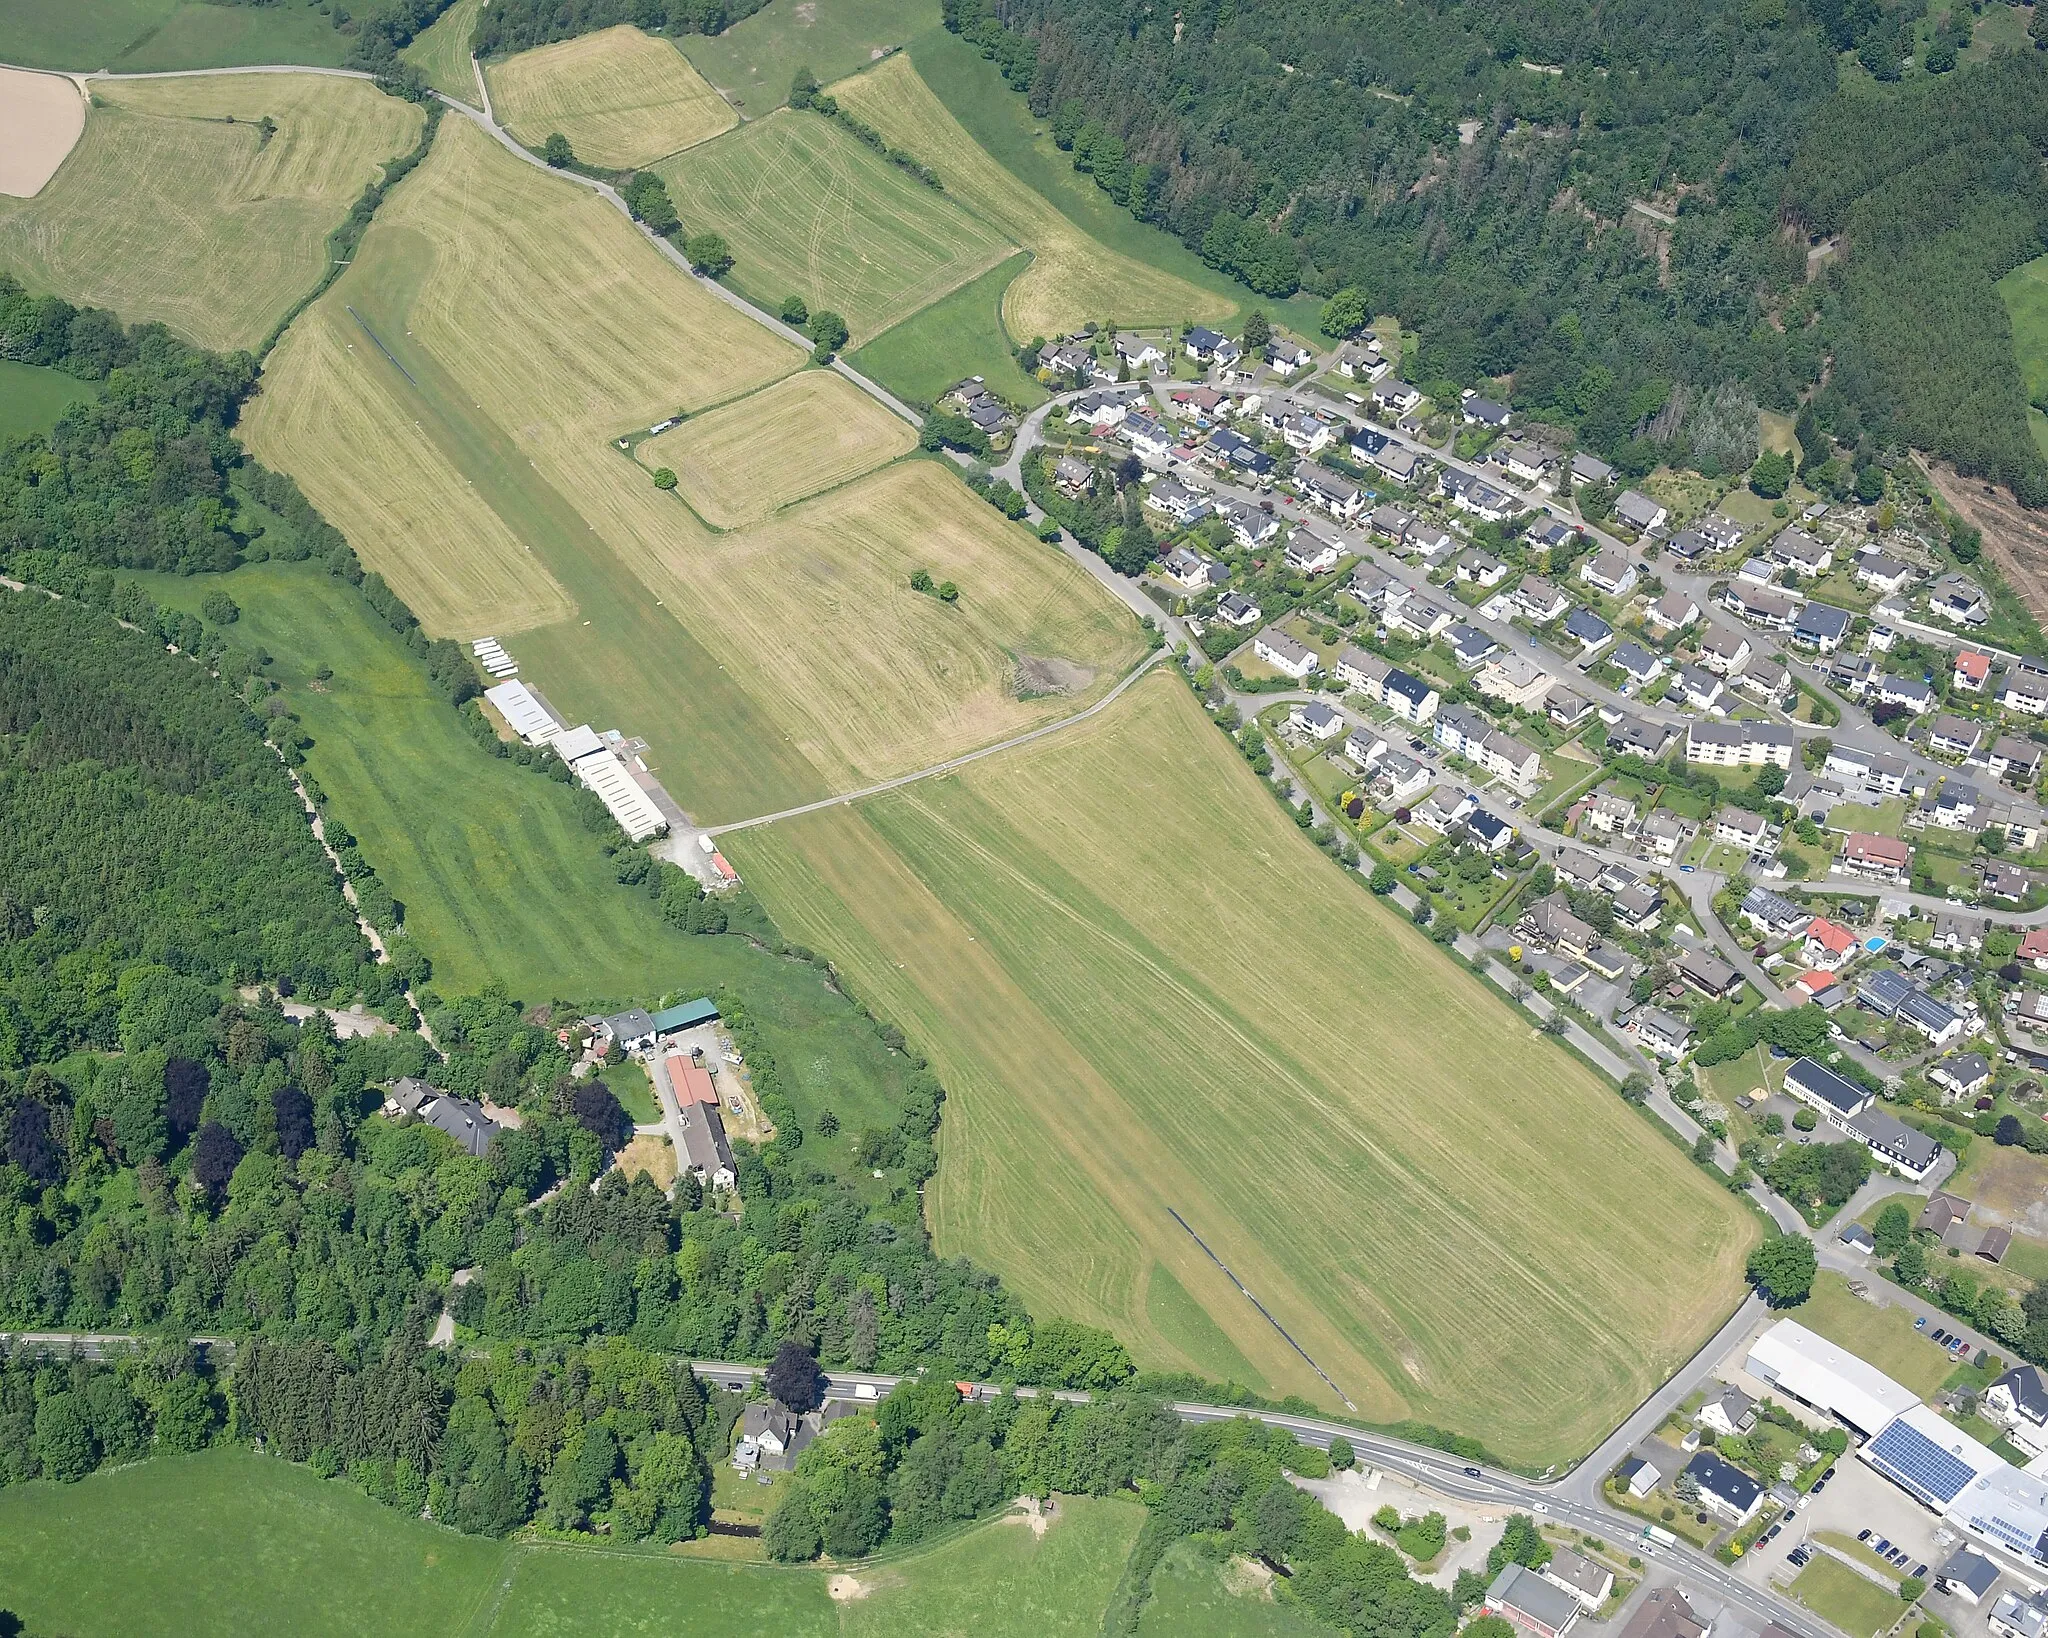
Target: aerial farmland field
<point>747,459</point>
<point>812,210</point>
<point>442,51</point>
<point>754,60</point>
<point>1145,992</point>
<point>1073,277</point>
<point>175,205</point>
<point>621,97</point>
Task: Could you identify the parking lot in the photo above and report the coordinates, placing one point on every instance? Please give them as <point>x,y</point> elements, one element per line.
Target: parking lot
<point>1856,1499</point>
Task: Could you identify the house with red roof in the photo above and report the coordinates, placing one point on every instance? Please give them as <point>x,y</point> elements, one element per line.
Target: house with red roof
<point>1973,670</point>
<point>1828,945</point>
<point>1881,858</point>
<point>1814,985</point>
<point>2034,947</point>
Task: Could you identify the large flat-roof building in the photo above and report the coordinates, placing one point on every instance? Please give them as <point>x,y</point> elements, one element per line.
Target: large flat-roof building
<point>1807,1367</point>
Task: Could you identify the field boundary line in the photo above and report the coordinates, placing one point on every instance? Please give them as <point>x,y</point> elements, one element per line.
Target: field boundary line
<point>1015,742</point>
<point>1245,1291</point>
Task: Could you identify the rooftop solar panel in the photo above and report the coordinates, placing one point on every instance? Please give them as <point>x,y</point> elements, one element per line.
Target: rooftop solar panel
<point>1917,1462</point>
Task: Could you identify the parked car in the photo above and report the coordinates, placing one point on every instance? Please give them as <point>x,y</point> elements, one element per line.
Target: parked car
<point>1921,1571</point>
<point>1920,1324</point>
<point>1862,1535</point>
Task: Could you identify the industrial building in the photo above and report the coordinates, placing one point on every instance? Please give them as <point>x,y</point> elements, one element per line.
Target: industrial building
<point>1804,1366</point>
<point>598,767</point>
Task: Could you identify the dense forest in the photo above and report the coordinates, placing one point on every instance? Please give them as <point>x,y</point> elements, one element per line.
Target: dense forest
<point>1614,209</point>
<point>518,25</point>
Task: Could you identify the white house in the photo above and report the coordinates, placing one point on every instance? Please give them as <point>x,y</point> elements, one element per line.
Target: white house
<point>1284,654</point>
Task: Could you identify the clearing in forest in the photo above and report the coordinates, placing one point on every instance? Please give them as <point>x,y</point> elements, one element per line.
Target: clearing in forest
<point>810,209</point>
<point>745,460</point>
<point>180,204</point>
<point>621,97</point>
<point>1073,277</point>
<point>1146,993</point>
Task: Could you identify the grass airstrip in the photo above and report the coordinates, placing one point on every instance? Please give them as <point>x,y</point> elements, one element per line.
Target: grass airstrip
<point>1145,993</point>
<point>176,206</point>
<point>766,666</point>
<point>228,1542</point>
<point>810,209</point>
<point>621,97</point>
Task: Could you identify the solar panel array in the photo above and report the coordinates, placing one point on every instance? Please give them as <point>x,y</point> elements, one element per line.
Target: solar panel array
<point>1917,1462</point>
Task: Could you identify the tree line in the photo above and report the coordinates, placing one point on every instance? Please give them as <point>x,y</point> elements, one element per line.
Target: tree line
<point>518,25</point>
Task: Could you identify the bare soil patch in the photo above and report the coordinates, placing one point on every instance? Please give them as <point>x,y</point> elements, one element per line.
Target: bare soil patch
<point>844,1588</point>
<point>2015,538</point>
<point>1039,675</point>
<point>42,116</point>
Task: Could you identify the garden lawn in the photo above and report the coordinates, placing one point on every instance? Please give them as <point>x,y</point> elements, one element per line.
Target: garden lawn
<point>1123,1038</point>
<point>1884,1337</point>
<point>1837,1593</point>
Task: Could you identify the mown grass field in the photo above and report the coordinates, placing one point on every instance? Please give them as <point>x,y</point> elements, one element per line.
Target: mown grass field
<point>31,398</point>
<point>1191,1594</point>
<point>2025,293</point>
<point>807,433</point>
<point>1883,1336</point>
<point>957,336</point>
<point>1073,275</point>
<point>139,36</point>
<point>621,97</point>
<point>810,209</point>
<point>228,1542</point>
<point>442,51</point>
<point>765,667</point>
<point>755,59</point>
<point>173,207</point>
<point>1145,991</point>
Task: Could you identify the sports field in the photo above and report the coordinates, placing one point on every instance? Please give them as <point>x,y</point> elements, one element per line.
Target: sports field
<point>810,432</point>
<point>1145,991</point>
<point>442,52</point>
<point>958,336</point>
<point>1073,277</point>
<point>174,206</point>
<point>140,36</point>
<point>810,209</point>
<point>754,60</point>
<point>621,97</point>
<point>228,1542</point>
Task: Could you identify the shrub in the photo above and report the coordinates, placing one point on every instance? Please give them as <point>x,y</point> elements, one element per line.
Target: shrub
<point>1805,1119</point>
<point>664,478</point>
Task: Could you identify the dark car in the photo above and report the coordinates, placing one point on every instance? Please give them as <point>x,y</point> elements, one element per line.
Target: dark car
<point>1921,1571</point>
<point>1862,1535</point>
<point>1471,1472</point>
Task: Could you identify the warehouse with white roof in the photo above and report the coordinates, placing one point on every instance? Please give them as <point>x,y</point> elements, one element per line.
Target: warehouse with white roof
<point>598,766</point>
<point>530,720</point>
<point>1804,1366</point>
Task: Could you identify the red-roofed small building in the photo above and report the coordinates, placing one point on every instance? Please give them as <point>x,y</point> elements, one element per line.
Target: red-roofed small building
<point>2034,947</point>
<point>1814,985</point>
<point>1973,670</point>
<point>1882,858</point>
<point>1828,945</point>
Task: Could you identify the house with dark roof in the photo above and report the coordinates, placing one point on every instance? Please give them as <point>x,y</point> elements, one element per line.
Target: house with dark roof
<point>1588,630</point>
<point>2018,1402</point>
<point>1821,627</point>
<point>1961,1074</point>
<point>1967,1575</point>
<point>1660,1033</point>
<point>1836,1098</point>
<point>1708,973</point>
<point>1907,1151</point>
<point>1725,1489</point>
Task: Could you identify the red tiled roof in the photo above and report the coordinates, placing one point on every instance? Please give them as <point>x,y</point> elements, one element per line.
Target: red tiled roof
<point>1833,938</point>
<point>2034,947</point>
<point>1814,983</point>
<point>1974,665</point>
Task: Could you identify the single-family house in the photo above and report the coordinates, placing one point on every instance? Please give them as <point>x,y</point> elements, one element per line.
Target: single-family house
<point>1610,571</point>
<point>1972,672</point>
<point>1402,464</point>
<point>1444,807</point>
<point>1738,827</point>
<point>1794,548</point>
<point>1828,945</point>
<point>1665,834</point>
<point>1590,1582</point>
<point>1727,1410</point>
<point>1821,627</point>
<point>1522,1597</point>
<point>1074,477</point>
<point>1638,736</point>
<point>1310,553</point>
<point>1759,605</point>
<point>1337,495</point>
<point>1513,679</point>
<point>1637,511</point>
<point>1674,611</point>
<point>1285,356</point>
<point>1637,663</point>
<point>1959,601</point>
<point>1588,468</point>
<point>1527,461</point>
<point>1538,601</point>
<point>1146,436</point>
<point>1470,646</point>
<point>1316,720</point>
<point>2008,881</point>
<point>1877,858</point>
<point>1639,906</point>
<point>1956,932</point>
<point>1660,1033</point>
<point>1722,650</point>
<point>1236,609</point>
<point>1419,617</point>
<point>1478,568</point>
<point>1390,523</point>
<point>1483,412</point>
<point>1725,1490</point>
<point>1961,1074</point>
<point>1699,689</point>
<point>1394,396</point>
<point>1611,815</point>
<point>1566,707</point>
<point>1882,573</point>
<point>1588,630</point>
<point>2018,1402</point>
<point>1767,681</point>
<point>1483,500</point>
<point>1915,695</point>
<point>1880,771</point>
<point>1139,352</point>
<point>1774,913</point>
<point>1187,567</point>
<point>1951,735</point>
<point>1202,344</point>
<point>2025,691</point>
<point>1551,923</point>
<point>1358,359</point>
<point>2016,761</point>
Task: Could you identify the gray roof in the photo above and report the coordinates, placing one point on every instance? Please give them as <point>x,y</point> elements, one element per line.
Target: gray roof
<point>1816,1080</point>
<point>2028,1389</point>
<point>1893,1136</point>
<point>1970,1569</point>
<point>462,1120</point>
<point>1587,626</point>
<point>1521,1588</point>
<point>1576,1571</point>
<point>1724,1481</point>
